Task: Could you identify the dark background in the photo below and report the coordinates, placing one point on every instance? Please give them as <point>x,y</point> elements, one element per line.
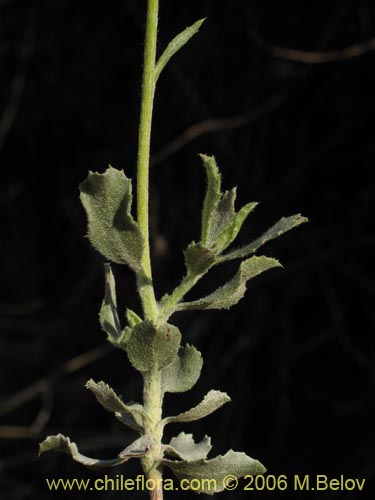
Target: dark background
<point>297,354</point>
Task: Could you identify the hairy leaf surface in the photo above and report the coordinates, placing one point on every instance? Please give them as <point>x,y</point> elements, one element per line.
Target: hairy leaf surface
<point>132,318</point>
<point>222,214</point>
<point>150,347</point>
<point>184,447</point>
<point>107,199</point>
<point>217,469</point>
<point>130,413</point>
<point>233,291</point>
<point>63,444</point>
<point>282,226</point>
<point>220,222</point>
<point>182,374</point>
<point>212,198</point>
<point>198,259</point>
<point>108,315</point>
<point>211,402</point>
<point>230,230</point>
<point>175,45</point>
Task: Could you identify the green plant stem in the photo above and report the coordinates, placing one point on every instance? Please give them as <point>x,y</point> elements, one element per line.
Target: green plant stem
<point>146,288</point>
<point>152,396</point>
<point>169,305</point>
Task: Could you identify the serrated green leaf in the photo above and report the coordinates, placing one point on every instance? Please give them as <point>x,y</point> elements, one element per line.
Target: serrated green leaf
<point>212,197</point>
<point>107,199</point>
<point>150,347</point>
<point>182,374</point>
<point>211,402</point>
<point>184,447</point>
<point>282,226</point>
<point>232,228</point>
<point>220,222</point>
<point>106,396</point>
<point>211,475</point>
<point>233,291</point>
<point>63,444</point>
<point>132,318</point>
<point>198,259</point>
<point>130,413</point>
<point>108,316</point>
<point>175,45</point>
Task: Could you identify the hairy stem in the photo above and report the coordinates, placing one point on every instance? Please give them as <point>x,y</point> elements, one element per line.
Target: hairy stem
<point>146,288</point>
<point>169,305</point>
<point>152,396</point>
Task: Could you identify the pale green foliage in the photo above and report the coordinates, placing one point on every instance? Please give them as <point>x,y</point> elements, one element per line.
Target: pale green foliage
<point>282,226</point>
<point>108,315</point>
<point>212,198</point>
<point>182,374</point>
<point>106,396</point>
<point>198,259</point>
<point>212,401</point>
<point>220,222</point>
<point>151,348</point>
<point>233,291</point>
<point>152,344</point>
<point>107,199</point>
<point>155,347</point>
<point>130,413</point>
<point>184,447</point>
<point>64,445</point>
<point>175,45</point>
<point>132,318</point>
<point>230,232</point>
<point>232,463</point>
<point>220,226</point>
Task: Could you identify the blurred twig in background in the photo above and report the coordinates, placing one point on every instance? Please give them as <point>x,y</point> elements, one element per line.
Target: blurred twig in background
<point>44,387</point>
<point>215,125</point>
<point>314,57</point>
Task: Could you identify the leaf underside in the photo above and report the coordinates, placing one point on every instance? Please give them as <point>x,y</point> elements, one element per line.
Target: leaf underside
<point>184,447</point>
<point>132,414</point>
<point>211,402</point>
<point>182,374</point>
<point>108,316</point>
<point>63,444</point>
<point>217,469</point>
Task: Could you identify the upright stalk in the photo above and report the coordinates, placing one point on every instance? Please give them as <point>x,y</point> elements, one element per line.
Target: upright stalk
<point>148,90</point>
<point>152,397</point>
<point>152,344</point>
